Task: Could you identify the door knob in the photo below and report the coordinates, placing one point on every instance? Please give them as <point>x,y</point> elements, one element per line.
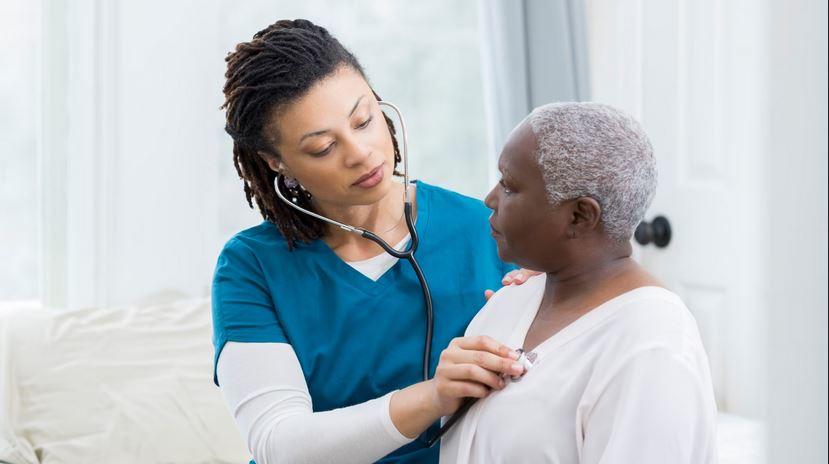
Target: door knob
<point>658,232</point>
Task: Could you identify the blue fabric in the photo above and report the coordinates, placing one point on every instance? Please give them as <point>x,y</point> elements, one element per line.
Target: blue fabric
<point>357,339</point>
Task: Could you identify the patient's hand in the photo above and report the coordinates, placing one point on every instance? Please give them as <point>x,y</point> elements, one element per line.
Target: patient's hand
<point>471,367</point>
<point>516,277</point>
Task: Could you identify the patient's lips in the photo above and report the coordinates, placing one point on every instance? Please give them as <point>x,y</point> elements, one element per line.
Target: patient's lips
<point>493,231</point>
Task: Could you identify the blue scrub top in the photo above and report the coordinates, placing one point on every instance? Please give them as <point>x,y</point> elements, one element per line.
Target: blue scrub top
<point>357,339</point>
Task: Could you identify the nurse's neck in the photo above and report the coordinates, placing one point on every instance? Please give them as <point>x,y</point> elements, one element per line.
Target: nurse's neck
<point>384,218</point>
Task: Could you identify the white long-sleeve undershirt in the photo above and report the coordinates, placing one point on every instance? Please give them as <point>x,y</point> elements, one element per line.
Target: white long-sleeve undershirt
<point>265,390</point>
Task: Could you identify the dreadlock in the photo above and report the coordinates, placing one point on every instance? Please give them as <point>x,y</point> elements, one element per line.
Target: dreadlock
<point>276,68</point>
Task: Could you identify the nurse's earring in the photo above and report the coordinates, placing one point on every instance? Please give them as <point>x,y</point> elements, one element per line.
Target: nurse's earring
<point>295,189</point>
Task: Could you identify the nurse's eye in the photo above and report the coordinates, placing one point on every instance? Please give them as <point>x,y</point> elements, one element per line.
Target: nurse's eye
<point>506,189</point>
<point>324,152</point>
<point>365,123</point>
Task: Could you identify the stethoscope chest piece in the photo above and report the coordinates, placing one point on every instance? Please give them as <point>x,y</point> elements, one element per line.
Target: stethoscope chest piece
<point>526,359</point>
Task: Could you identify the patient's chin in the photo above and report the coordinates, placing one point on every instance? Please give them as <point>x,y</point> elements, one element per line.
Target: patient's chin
<point>503,250</point>
<point>507,253</point>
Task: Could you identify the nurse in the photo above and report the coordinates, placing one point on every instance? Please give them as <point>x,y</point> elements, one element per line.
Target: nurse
<point>318,333</point>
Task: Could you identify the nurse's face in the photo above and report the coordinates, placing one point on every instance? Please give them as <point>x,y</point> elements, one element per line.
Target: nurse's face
<point>528,230</point>
<point>335,142</point>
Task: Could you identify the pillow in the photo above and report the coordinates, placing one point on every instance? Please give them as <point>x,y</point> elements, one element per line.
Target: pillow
<point>12,449</point>
<point>131,385</point>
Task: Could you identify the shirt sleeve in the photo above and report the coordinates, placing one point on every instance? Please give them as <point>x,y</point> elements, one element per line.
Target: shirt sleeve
<point>265,390</point>
<point>654,410</point>
<point>242,307</point>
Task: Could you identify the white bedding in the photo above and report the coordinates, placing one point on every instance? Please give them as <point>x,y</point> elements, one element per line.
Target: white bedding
<point>134,385</point>
<point>124,385</point>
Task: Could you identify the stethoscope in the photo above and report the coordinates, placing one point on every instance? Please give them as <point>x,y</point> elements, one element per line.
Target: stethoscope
<point>408,255</point>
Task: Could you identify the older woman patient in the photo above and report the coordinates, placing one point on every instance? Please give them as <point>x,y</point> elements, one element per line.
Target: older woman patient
<point>620,374</point>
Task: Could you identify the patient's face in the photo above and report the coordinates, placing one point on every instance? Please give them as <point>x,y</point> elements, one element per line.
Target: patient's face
<point>527,229</point>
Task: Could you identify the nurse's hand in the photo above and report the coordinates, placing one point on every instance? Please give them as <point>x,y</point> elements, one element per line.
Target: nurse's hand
<point>471,367</point>
<point>516,277</point>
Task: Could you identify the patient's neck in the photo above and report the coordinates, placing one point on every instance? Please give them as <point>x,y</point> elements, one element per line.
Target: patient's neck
<point>594,276</point>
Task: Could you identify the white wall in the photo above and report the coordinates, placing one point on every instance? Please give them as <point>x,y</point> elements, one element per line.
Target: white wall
<point>797,201</point>
<point>761,72</point>
<point>693,72</point>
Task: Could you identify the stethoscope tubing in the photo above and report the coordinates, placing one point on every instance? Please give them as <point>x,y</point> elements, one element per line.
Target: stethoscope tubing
<point>407,254</point>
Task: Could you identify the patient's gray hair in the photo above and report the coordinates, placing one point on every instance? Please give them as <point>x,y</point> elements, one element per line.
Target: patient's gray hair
<point>594,150</point>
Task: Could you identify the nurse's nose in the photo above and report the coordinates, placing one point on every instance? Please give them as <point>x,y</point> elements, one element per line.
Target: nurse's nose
<point>355,153</point>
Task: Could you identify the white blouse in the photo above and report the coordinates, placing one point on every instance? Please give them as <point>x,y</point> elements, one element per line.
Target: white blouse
<point>628,382</point>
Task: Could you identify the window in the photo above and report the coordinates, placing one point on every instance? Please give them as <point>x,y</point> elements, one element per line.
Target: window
<point>19,191</point>
<point>435,78</point>
<point>88,213</point>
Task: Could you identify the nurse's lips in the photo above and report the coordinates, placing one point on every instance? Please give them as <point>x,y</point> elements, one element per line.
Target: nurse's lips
<point>371,178</point>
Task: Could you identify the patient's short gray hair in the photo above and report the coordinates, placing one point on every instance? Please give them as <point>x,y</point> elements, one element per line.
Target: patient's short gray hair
<point>594,150</point>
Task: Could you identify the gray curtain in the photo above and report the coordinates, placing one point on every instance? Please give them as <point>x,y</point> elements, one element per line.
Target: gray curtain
<point>534,52</point>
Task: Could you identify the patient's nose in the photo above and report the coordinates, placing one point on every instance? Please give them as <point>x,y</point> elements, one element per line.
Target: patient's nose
<point>491,200</point>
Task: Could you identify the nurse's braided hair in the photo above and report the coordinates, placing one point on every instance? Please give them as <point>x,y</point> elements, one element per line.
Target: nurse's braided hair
<point>276,68</point>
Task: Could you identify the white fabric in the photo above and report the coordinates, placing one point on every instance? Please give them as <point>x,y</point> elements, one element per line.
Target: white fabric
<point>119,385</point>
<point>628,382</point>
<point>740,440</point>
<point>141,376</point>
<point>376,266</point>
<point>266,392</point>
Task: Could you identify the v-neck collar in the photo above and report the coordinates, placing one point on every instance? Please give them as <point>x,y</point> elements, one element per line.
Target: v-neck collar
<point>359,280</point>
<point>532,302</point>
<point>572,330</point>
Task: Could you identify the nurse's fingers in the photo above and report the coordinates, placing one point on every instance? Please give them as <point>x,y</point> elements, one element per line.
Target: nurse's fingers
<point>513,277</point>
<point>484,343</point>
<point>488,294</point>
<point>458,389</point>
<point>471,372</point>
<point>484,359</point>
<point>518,276</point>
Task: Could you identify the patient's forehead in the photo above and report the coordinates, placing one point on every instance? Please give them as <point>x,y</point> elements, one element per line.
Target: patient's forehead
<point>519,151</point>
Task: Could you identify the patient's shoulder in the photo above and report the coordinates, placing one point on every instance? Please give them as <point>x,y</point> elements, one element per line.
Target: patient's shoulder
<point>654,316</point>
<point>506,306</point>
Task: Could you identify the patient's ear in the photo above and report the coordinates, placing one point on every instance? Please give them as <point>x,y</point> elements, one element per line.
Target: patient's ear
<point>586,216</point>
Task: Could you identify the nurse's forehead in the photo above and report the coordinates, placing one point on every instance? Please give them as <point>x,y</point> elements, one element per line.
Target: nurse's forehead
<point>333,97</point>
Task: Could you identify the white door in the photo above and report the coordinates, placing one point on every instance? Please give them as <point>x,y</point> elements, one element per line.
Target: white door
<point>691,72</point>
